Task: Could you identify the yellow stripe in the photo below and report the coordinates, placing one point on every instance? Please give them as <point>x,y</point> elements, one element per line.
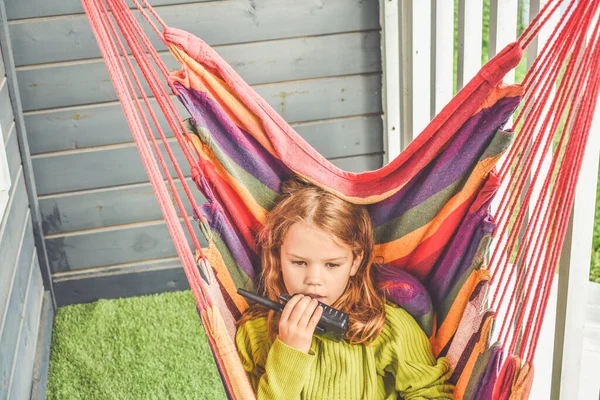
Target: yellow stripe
<point>227,353</point>
<point>208,155</point>
<point>222,273</point>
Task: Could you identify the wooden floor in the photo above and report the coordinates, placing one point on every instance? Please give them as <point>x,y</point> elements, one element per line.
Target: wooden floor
<point>589,386</point>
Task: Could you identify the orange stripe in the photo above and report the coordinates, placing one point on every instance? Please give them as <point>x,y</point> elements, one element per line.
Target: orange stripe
<point>208,155</point>
<point>217,90</point>
<point>436,242</point>
<point>523,382</point>
<point>450,324</point>
<point>405,245</point>
<point>498,93</point>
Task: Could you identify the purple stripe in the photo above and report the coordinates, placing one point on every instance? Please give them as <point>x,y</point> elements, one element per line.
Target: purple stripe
<point>463,153</point>
<point>237,144</point>
<point>485,386</point>
<point>243,255</point>
<point>460,252</point>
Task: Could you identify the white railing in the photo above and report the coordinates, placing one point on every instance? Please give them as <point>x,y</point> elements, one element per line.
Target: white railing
<point>417,39</point>
<point>4,177</point>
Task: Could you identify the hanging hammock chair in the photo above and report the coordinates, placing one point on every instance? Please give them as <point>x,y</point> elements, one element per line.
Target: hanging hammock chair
<point>430,207</point>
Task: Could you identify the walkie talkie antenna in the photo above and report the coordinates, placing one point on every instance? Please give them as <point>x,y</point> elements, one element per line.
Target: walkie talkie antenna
<point>261,300</point>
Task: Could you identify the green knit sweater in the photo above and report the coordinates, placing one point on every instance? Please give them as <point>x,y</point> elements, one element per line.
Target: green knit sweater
<point>398,361</point>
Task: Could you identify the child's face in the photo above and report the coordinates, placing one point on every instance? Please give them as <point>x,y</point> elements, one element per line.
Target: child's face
<point>315,264</point>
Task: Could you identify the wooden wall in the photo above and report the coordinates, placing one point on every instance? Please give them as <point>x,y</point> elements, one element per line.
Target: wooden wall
<point>316,62</point>
<point>25,309</point>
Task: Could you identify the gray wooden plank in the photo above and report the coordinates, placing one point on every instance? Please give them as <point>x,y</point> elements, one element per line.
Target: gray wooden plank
<point>13,157</point>
<point>344,137</point>
<point>316,99</point>
<point>111,246</point>
<point>82,127</point>
<point>153,276</point>
<point>106,207</point>
<point>224,22</point>
<point>6,112</point>
<point>42,8</point>
<point>15,102</point>
<point>138,242</point>
<point>119,165</point>
<point>136,203</point>
<point>369,162</point>
<point>22,373</point>
<point>23,248</point>
<point>42,353</point>
<point>11,234</point>
<point>52,86</point>
<point>16,313</point>
<point>2,68</point>
<point>88,126</point>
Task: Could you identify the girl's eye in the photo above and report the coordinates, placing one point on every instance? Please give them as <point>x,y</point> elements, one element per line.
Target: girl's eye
<point>298,262</point>
<point>331,265</point>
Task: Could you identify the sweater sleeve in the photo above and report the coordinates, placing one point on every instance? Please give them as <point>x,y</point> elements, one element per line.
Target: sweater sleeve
<point>405,353</point>
<point>275,371</point>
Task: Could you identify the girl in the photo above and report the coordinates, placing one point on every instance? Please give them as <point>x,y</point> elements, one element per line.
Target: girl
<point>320,247</point>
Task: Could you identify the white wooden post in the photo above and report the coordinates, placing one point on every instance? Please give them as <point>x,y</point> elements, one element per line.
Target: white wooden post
<point>503,28</point>
<point>390,59</point>
<point>415,42</point>
<point>442,53</point>
<point>574,275</point>
<point>417,52</point>
<point>544,353</point>
<point>421,65</point>
<point>470,14</point>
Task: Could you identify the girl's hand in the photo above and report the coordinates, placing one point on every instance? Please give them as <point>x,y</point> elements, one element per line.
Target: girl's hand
<point>298,321</point>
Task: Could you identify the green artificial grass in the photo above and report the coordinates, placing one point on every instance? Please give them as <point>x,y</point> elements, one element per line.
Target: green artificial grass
<point>595,262</point>
<point>150,347</point>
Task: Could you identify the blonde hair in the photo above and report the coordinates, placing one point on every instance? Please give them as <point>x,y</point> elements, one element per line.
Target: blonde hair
<point>348,223</point>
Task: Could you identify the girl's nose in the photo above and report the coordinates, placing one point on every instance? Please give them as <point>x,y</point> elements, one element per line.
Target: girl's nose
<point>313,275</point>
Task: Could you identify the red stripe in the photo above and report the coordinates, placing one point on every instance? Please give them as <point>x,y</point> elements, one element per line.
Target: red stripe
<point>421,260</point>
<point>237,212</point>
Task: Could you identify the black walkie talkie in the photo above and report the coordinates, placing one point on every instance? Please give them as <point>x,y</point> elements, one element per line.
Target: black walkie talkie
<point>332,325</point>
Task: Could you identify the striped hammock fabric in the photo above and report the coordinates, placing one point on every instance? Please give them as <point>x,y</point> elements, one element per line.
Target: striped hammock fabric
<point>430,207</point>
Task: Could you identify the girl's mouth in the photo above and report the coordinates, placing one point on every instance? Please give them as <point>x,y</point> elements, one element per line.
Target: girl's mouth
<point>315,296</point>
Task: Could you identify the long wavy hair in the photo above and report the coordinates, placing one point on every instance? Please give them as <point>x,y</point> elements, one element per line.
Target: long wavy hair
<point>350,224</point>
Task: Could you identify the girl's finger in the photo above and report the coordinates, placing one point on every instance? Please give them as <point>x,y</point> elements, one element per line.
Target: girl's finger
<point>298,310</point>
<point>308,312</point>
<point>289,307</point>
<point>314,320</point>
